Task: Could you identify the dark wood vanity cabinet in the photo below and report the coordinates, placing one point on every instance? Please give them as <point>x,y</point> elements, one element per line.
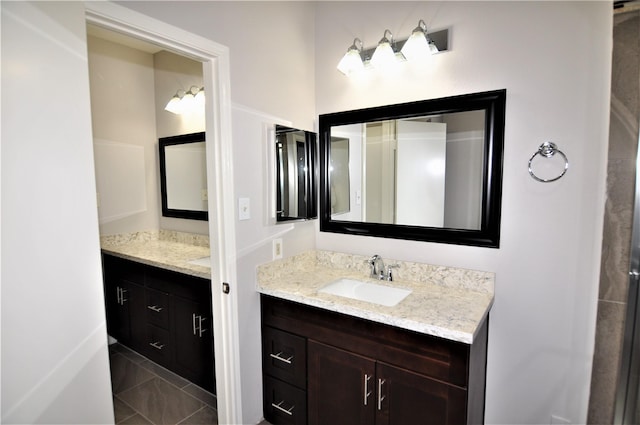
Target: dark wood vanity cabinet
<point>353,371</point>
<point>164,315</point>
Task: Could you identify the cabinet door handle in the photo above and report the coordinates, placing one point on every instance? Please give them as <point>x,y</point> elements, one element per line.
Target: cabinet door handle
<point>282,409</point>
<point>155,308</point>
<point>122,298</point>
<point>156,345</point>
<point>196,323</point>
<point>380,396</point>
<point>282,359</point>
<point>367,393</point>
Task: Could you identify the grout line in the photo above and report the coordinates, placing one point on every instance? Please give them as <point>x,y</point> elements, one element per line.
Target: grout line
<point>155,375</point>
<point>199,410</point>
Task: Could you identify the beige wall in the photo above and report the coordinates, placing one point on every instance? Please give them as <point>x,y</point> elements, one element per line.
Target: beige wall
<point>129,90</point>
<point>124,126</point>
<point>173,72</point>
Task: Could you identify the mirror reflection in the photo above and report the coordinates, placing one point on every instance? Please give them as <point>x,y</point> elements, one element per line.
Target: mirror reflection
<point>183,176</point>
<point>422,171</point>
<point>428,170</point>
<point>295,174</point>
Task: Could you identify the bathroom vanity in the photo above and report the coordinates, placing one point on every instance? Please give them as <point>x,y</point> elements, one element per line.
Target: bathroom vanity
<point>333,359</point>
<point>158,298</point>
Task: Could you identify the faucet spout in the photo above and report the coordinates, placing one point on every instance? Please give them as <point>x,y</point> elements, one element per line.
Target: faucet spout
<point>377,267</point>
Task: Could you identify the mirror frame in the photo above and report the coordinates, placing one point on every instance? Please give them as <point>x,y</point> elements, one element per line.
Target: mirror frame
<point>494,105</point>
<point>163,142</point>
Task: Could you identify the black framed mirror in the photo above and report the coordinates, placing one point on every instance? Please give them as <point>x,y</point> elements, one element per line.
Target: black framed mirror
<point>428,170</point>
<point>183,176</point>
<point>296,187</point>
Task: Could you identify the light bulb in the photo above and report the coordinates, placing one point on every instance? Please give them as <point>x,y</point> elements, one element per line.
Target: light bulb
<point>384,54</point>
<point>174,105</point>
<point>417,45</point>
<point>351,61</point>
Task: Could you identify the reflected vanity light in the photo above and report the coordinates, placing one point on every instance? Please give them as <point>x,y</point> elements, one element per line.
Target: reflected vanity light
<point>188,102</point>
<point>418,46</point>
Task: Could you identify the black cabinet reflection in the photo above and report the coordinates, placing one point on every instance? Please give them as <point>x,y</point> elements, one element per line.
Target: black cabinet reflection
<point>295,174</point>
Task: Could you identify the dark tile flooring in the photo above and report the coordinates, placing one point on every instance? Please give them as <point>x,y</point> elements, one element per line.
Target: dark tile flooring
<point>145,393</point>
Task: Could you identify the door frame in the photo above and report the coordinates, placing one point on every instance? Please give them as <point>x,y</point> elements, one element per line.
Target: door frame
<point>216,77</point>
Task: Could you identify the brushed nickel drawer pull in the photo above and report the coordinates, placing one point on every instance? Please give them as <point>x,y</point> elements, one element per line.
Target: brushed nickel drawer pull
<point>282,409</point>
<point>282,359</point>
<point>380,396</point>
<point>155,308</point>
<point>367,393</point>
<point>156,345</point>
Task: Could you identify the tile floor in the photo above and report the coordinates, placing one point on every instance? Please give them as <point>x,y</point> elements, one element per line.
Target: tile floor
<point>145,393</point>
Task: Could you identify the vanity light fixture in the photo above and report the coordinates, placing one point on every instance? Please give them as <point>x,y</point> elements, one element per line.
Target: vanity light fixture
<point>420,44</point>
<point>190,101</point>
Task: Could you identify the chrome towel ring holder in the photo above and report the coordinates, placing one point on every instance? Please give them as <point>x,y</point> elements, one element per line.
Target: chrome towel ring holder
<point>547,150</point>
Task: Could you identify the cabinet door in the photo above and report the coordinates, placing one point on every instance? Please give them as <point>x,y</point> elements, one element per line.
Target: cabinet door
<point>194,341</point>
<point>126,312</point>
<point>405,397</point>
<point>340,386</point>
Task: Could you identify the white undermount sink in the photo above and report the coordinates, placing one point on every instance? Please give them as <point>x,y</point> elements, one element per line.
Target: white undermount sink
<point>366,291</point>
<point>204,262</point>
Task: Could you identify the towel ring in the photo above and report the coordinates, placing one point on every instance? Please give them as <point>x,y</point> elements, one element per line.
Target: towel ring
<point>547,150</point>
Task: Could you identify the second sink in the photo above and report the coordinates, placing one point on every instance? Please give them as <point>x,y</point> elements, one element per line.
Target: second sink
<point>366,291</point>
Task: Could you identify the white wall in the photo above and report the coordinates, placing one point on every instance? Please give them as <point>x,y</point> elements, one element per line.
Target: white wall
<point>554,60</point>
<point>54,343</point>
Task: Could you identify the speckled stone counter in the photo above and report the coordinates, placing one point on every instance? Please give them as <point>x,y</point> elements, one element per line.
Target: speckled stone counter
<point>165,249</point>
<point>445,302</point>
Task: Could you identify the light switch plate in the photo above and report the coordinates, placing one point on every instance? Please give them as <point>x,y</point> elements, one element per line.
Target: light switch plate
<point>244,209</point>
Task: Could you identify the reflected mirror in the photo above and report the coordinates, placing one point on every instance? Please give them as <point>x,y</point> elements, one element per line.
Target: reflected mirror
<point>295,174</point>
<point>428,170</point>
<point>183,176</point>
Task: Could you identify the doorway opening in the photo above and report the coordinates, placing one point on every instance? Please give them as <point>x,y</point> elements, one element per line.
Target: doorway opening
<point>214,60</point>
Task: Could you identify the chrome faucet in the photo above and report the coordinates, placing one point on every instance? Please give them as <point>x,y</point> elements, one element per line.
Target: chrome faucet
<point>377,267</point>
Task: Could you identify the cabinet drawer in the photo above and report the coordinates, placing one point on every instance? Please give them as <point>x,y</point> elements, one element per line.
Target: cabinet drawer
<point>158,345</point>
<point>158,307</point>
<point>284,356</point>
<point>284,403</point>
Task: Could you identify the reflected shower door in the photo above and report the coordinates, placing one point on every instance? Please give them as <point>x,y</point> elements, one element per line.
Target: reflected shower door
<point>627,404</point>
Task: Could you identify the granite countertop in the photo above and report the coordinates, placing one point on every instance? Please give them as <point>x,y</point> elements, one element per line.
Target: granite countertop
<point>446,302</point>
<point>165,250</point>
